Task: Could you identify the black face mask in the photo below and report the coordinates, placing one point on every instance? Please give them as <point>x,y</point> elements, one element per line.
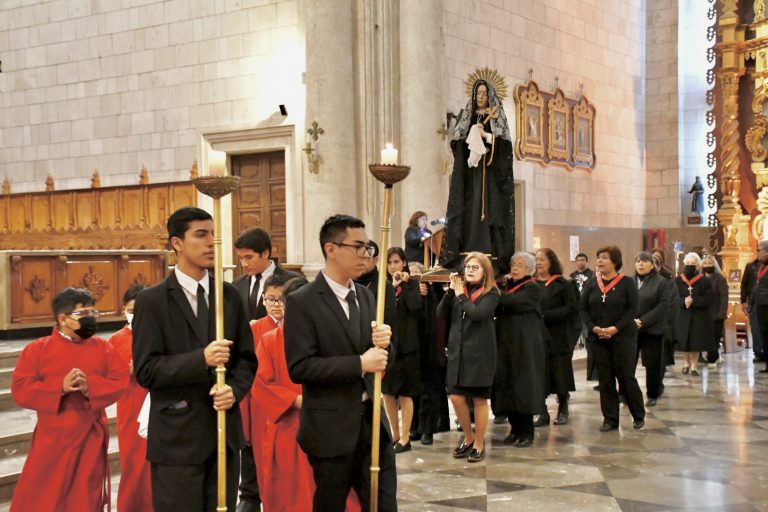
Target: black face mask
<point>88,327</point>
<point>708,270</point>
<point>689,270</point>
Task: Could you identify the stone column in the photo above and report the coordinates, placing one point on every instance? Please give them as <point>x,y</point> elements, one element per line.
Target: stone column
<point>422,110</point>
<point>330,102</point>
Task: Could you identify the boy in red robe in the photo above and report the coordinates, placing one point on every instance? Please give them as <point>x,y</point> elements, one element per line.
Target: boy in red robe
<point>286,482</point>
<point>135,491</point>
<point>69,378</point>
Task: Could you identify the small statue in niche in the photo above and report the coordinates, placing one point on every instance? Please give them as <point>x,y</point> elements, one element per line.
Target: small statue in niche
<point>697,197</point>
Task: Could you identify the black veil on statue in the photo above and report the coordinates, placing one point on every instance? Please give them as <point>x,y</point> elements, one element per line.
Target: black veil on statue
<point>481,201</point>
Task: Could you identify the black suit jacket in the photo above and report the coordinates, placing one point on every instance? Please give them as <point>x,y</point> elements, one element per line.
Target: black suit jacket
<point>324,358</point>
<point>243,285</point>
<point>168,360</point>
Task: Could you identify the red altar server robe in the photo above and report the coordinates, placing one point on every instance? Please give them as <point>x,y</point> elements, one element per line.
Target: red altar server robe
<point>285,477</point>
<point>66,468</point>
<point>252,415</point>
<point>135,491</point>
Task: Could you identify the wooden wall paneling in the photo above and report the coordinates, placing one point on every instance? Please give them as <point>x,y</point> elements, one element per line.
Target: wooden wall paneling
<point>182,194</point>
<point>99,276</point>
<point>108,209</point>
<point>39,215</point>
<point>62,212</point>
<point>36,289</point>
<point>5,204</point>
<point>84,205</point>
<point>133,207</point>
<point>158,205</point>
<point>18,214</point>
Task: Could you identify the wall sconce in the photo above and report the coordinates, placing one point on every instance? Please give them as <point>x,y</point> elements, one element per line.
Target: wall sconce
<point>313,159</point>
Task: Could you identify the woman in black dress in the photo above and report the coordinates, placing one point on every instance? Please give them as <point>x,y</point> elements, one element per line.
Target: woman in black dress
<point>416,235</point>
<point>608,309</point>
<point>694,330</point>
<point>470,305</point>
<point>402,380</point>
<point>559,306</point>
<point>519,385</point>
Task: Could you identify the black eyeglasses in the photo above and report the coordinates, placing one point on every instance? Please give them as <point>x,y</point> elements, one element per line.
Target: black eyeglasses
<point>364,251</point>
<point>269,301</point>
<point>84,313</point>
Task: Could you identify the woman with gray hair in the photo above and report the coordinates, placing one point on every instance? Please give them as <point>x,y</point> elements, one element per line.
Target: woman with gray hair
<point>654,304</point>
<point>719,308</point>
<point>519,384</point>
<point>693,330</point>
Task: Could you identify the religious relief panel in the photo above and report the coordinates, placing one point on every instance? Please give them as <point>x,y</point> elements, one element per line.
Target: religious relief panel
<point>553,129</point>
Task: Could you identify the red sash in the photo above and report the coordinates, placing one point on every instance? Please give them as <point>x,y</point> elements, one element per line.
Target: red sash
<point>513,290</point>
<point>551,280</point>
<point>605,289</point>
<point>399,291</point>
<point>763,271</point>
<point>694,280</point>
<point>476,295</point>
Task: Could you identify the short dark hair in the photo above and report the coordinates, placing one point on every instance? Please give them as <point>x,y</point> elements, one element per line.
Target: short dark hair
<point>132,292</point>
<point>255,239</point>
<point>614,254</point>
<point>375,249</point>
<point>277,281</point>
<point>644,256</point>
<point>178,222</point>
<point>292,285</point>
<point>414,222</point>
<point>581,255</point>
<point>335,227</point>
<point>400,252</point>
<point>555,267</point>
<point>67,299</point>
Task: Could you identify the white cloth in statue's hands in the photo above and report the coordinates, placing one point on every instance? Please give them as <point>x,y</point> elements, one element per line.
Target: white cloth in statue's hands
<point>143,418</point>
<point>476,146</point>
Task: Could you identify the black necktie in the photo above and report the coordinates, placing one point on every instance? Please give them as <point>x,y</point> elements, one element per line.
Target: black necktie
<point>354,318</point>
<point>253,298</point>
<point>202,311</point>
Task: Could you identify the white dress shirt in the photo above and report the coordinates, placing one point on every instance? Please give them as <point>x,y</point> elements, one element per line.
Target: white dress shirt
<point>264,276</point>
<point>341,292</point>
<point>189,285</point>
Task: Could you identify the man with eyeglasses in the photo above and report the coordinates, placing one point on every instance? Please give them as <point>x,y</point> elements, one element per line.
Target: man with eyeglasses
<point>68,378</point>
<point>332,348</point>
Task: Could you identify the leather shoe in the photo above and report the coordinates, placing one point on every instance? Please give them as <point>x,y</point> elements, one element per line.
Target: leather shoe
<point>476,456</point>
<point>638,424</point>
<point>415,436</point>
<point>650,402</point>
<point>426,439</point>
<point>400,448</point>
<point>462,450</point>
<point>606,427</point>
<point>510,439</point>
<point>561,419</point>
<point>499,420</point>
<point>542,420</point>
<point>248,506</point>
<point>523,442</point>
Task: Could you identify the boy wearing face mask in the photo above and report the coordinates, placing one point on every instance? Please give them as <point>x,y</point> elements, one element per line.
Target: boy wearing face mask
<point>68,378</point>
<point>135,491</point>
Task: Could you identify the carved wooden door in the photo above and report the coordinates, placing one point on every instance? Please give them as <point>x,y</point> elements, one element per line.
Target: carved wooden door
<point>260,199</point>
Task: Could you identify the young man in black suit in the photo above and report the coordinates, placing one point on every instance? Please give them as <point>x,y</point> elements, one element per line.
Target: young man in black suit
<point>175,359</point>
<point>254,249</point>
<point>333,346</point>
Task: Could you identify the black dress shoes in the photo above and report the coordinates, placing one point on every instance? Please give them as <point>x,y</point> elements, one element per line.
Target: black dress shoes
<point>542,420</point>
<point>561,419</point>
<point>510,439</point>
<point>650,402</point>
<point>764,370</point>
<point>499,420</point>
<point>462,450</point>
<point>426,439</point>
<point>638,424</point>
<point>248,506</point>
<point>606,427</point>
<point>476,456</point>
<point>523,442</point>
<point>415,436</point>
<point>400,448</point>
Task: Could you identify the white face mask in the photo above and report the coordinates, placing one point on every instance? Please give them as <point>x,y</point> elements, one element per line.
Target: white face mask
<point>129,317</point>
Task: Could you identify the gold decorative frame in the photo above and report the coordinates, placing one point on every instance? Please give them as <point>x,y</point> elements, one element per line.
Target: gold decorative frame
<point>584,134</point>
<point>558,120</point>
<point>529,121</point>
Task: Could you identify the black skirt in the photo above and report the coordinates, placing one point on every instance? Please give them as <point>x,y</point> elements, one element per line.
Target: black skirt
<point>404,378</point>
<point>470,392</point>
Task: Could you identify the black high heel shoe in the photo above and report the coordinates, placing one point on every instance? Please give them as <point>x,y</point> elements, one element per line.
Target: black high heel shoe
<point>462,450</point>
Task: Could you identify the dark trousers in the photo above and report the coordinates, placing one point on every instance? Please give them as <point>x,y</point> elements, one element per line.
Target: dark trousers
<point>757,338</point>
<point>431,402</point>
<point>714,354</point>
<point>249,485</point>
<point>616,362</point>
<point>334,476</point>
<point>652,351</point>
<point>591,365</point>
<point>193,488</point>
<point>522,425</point>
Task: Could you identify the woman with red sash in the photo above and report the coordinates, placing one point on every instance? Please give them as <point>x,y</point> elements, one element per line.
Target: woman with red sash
<point>694,329</point>
<point>519,386</point>
<point>469,307</point>
<point>608,309</point>
<point>559,306</point>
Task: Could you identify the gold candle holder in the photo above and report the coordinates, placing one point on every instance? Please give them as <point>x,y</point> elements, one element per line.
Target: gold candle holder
<point>217,187</point>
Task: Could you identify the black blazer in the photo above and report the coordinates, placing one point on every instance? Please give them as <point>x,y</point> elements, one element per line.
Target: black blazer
<point>168,360</point>
<point>324,358</point>
<point>619,310</point>
<point>560,308</point>
<point>414,247</point>
<point>409,305</point>
<point>654,304</point>
<point>243,285</point>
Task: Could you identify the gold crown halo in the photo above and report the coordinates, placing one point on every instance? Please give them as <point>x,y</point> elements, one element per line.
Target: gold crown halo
<point>491,76</point>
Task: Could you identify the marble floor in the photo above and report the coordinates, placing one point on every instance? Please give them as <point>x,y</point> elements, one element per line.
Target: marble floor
<point>704,448</point>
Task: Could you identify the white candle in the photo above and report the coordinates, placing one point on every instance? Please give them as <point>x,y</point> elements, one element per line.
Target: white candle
<point>389,155</point>
<point>217,163</point>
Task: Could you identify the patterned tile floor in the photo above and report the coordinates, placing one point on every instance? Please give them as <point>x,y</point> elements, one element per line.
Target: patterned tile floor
<point>704,448</point>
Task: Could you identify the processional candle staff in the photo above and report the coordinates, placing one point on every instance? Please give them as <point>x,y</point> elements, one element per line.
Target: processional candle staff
<point>216,184</point>
<point>387,172</point>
